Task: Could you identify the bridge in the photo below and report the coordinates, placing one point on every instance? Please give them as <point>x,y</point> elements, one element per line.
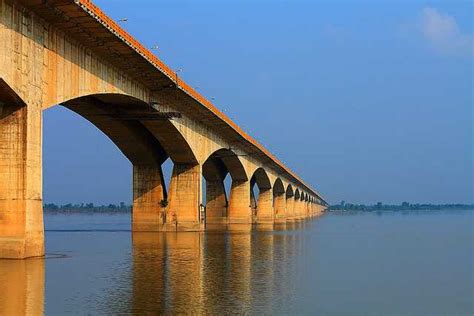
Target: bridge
<point>69,53</point>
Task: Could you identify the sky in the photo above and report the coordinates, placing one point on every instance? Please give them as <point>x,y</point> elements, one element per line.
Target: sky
<point>366,100</point>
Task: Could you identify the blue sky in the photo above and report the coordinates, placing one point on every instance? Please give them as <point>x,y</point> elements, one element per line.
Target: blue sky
<point>366,100</point>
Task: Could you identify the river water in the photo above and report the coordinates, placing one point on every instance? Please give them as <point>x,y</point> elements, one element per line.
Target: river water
<point>390,263</point>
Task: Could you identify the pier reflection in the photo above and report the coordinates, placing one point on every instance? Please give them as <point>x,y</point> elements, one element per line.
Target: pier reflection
<point>22,287</point>
<point>210,273</point>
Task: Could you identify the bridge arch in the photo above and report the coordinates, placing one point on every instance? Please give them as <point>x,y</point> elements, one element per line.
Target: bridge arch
<point>219,165</point>
<point>110,111</point>
<point>147,138</point>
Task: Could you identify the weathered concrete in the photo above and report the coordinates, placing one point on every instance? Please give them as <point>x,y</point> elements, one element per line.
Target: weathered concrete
<point>70,53</point>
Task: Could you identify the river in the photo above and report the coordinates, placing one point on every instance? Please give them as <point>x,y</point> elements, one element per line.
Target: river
<point>385,263</point>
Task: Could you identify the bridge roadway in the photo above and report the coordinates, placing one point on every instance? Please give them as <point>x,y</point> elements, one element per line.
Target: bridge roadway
<point>69,53</point>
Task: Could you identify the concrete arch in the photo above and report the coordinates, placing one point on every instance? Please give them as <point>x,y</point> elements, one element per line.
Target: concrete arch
<point>142,134</point>
<point>289,191</point>
<point>110,111</point>
<point>147,138</point>
<point>230,161</point>
<point>104,111</point>
<point>260,177</point>
<point>215,168</point>
<point>278,187</point>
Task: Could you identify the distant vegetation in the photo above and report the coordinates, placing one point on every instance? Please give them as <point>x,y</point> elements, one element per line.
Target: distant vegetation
<point>343,206</point>
<point>405,206</point>
<point>87,208</point>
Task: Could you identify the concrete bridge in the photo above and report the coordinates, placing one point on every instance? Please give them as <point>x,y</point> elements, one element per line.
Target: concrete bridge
<point>69,53</point>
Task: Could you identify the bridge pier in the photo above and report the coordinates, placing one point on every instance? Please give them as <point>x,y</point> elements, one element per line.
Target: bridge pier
<point>21,207</point>
<point>216,206</point>
<point>154,210</point>
<point>214,173</point>
<point>290,208</point>
<point>239,211</point>
<point>149,209</point>
<point>279,205</point>
<point>183,210</point>
<point>265,214</point>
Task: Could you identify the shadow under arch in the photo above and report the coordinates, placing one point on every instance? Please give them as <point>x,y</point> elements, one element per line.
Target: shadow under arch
<point>214,170</point>
<point>143,134</point>
<point>262,206</point>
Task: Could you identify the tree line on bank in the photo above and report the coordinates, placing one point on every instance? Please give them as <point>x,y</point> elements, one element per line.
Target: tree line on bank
<point>405,206</point>
<point>343,206</point>
<point>87,208</point>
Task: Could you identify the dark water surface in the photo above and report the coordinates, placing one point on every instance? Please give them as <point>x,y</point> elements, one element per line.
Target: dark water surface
<point>361,263</point>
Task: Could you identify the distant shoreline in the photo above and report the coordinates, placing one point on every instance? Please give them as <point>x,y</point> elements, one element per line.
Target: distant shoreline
<point>87,208</point>
<point>400,210</point>
<point>405,206</point>
<point>122,208</point>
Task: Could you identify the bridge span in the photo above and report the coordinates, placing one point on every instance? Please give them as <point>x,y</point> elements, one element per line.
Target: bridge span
<point>69,53</point>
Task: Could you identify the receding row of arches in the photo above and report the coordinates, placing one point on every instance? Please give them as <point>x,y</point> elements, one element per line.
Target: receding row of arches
<point>149,141</point>
<point>223,177</point>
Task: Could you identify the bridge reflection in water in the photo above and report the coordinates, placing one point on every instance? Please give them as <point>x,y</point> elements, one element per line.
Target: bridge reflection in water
<point>210,273</point>
<point>22,287</point>
<point>195,272</point>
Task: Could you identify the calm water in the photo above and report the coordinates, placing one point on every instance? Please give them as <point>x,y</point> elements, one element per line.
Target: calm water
<point>365,264</point>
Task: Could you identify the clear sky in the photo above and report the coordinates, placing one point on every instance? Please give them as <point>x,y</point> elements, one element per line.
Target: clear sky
<point>366,100</point>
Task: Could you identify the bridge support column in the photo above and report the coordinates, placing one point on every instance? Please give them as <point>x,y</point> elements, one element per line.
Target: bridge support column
<point>239,216</point>
<point>265,213</point>
<point>290,208</point>
<point>280,208</point>
<point>149,212</point>
<point>21,207</point>
<point>183,211</point>
<point>216,205</point>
